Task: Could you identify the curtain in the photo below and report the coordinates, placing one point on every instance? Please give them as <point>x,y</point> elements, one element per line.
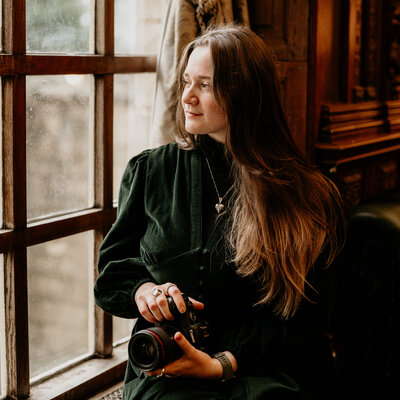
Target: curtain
<point>184,21</point>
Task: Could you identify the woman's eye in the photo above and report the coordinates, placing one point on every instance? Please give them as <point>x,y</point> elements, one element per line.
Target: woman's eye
<point>205,85</point>
<point>185,82</point>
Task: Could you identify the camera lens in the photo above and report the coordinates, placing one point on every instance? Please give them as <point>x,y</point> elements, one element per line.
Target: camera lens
<point>145,351</point>
<point>153,348</point>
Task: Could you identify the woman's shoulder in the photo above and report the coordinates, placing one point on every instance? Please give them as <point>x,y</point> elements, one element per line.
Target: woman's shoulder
<point>158,156</point>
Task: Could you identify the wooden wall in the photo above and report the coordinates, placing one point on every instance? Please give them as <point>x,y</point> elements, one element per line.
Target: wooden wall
<point>284,27</point>
<point>339,65</point>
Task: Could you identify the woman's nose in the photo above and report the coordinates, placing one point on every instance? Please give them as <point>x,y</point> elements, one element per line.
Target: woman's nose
<point>189,97</point>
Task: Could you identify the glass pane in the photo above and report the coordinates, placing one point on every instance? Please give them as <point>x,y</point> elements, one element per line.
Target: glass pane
<point>122,328</point>
<point>138,26</point>
<point>58,300</point>
<point>3,378</point>
<point>61,26</point>
<point>133,98</point>
<point>57,117</point>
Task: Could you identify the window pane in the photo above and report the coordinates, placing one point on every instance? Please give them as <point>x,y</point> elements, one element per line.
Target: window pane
<point>138,26</point>
<point>3,377</point>
<point>133,97</point>
<point>58,26</point>
<point>122,328</point>
<point>58,297</point>
<point>58,115</point>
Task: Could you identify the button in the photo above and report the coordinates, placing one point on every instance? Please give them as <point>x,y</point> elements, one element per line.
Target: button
<point>201,297</point>
<point>202,268</point>
<point>201,283</point>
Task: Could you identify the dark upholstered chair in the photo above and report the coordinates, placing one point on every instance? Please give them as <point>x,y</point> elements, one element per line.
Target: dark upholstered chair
<point>367,316</point>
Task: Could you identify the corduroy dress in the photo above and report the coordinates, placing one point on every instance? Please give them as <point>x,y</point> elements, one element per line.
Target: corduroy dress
<point>167,230</point>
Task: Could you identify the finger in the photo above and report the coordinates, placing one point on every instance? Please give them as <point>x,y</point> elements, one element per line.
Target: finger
<point>168,286</point>
<point>197,305</point>
<point>145,312</point>
<point>153,373</point>
<point>176,295</point>
<point>183,343</point>
<point>154,309</point>
<point>164,307</point>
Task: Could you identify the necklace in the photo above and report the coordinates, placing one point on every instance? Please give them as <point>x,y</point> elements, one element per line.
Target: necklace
<point>219,206</point>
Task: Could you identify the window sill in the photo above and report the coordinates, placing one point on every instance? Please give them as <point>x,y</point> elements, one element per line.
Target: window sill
<point>84,380</point>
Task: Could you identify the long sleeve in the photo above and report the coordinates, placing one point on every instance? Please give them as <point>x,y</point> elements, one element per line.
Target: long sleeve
<point>121,269</point>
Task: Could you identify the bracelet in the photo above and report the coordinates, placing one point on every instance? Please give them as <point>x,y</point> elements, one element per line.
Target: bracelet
<point>227,369</point>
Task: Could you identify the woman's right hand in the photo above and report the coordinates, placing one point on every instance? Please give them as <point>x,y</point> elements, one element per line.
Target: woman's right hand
<point>155,308</point>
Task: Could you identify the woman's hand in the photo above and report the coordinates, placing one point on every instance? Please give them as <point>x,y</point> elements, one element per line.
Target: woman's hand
<point>193,363</point>
<point>153,305</point>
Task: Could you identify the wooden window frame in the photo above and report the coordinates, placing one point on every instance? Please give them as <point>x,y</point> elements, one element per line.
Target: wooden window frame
<point>17,234</point>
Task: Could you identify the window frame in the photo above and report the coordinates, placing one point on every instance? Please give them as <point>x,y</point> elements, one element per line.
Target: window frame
<point>16,233</point>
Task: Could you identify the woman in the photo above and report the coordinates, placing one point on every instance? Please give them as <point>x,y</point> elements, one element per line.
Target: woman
<point>234,216</point>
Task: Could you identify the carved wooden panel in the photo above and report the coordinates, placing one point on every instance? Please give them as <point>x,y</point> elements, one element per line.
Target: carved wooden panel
<point>284,26</point>
<point>358,139</point>
<point>371,48</point>
<point>350,187</point>
<point>352,41</point>
<point>387,175</point>
<point>393,39</point>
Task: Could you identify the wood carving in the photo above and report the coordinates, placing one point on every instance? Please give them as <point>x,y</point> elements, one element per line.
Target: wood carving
<point>358,99</point>
<point>387,175</point>
<point>350,188</point>
<point>371,47</point>
<point>394,53</point>
<point>352,35</point>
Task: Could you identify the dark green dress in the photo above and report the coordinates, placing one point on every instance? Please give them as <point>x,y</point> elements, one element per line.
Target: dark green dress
<point>167,231</point>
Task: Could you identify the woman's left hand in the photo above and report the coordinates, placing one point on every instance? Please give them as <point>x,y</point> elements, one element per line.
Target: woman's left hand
<point>194,363</point>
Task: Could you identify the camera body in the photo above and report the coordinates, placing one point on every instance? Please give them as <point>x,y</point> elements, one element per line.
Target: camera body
<point>153,348</point>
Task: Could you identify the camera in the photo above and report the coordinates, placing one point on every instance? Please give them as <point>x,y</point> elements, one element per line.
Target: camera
<point>153,348</point>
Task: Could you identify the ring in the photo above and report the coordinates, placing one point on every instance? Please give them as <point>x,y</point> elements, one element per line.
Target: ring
<point>156,291</point>
<point>169,287</point>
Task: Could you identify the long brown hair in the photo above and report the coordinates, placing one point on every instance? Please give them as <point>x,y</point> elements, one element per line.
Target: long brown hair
<point>285,212</point>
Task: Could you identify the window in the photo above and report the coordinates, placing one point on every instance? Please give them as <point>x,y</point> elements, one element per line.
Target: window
<point>77,81</point>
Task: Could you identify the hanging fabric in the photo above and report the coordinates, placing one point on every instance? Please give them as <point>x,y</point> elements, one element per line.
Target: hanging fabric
<point>184,20</point>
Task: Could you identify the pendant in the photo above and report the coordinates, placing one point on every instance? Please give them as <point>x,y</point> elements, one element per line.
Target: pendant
<point>219,207</point>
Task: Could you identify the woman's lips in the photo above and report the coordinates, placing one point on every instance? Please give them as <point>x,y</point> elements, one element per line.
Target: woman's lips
<point>191,114</point>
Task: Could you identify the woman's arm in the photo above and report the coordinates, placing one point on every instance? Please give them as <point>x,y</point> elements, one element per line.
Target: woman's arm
<point>121,268</point>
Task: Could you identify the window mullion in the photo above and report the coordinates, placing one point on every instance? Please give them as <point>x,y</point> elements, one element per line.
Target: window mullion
<point>14,28</point>
<point>16,299</point>
<point>103,161</point>
<point>16,321</point>
<point>104,27</point>
<point>14,167</point>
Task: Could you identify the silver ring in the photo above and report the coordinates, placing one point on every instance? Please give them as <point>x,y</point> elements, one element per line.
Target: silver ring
<point>169,287</point>
<point>156,291</point>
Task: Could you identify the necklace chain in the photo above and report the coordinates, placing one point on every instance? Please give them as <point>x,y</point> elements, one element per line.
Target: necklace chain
<point>219,206</point>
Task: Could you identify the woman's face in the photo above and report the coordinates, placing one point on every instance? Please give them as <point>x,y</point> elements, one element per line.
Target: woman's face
<point>203,115</point>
